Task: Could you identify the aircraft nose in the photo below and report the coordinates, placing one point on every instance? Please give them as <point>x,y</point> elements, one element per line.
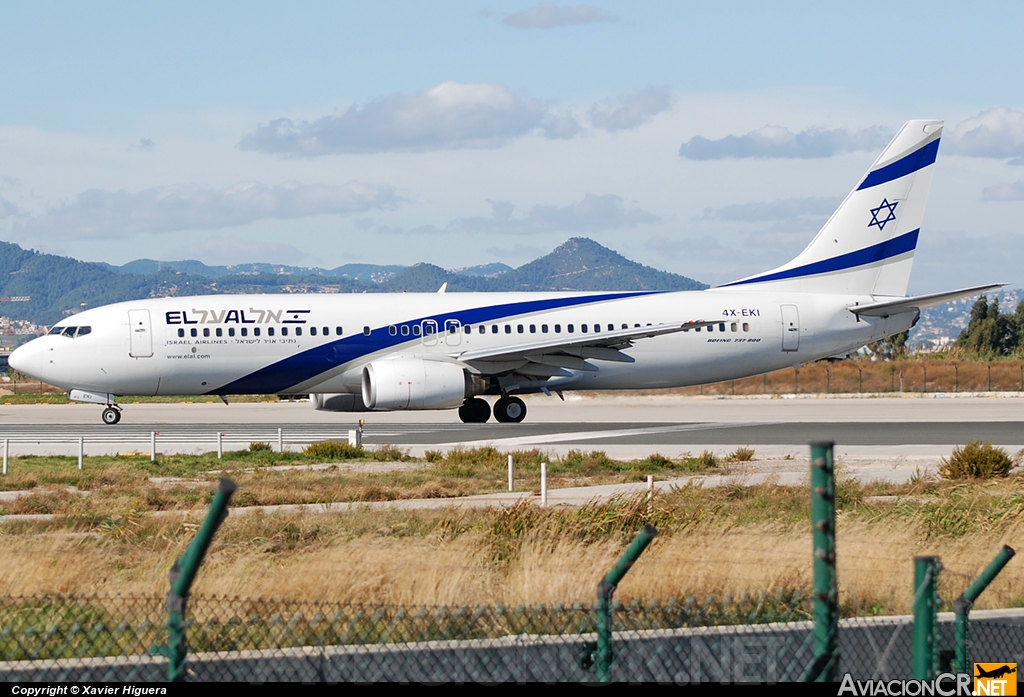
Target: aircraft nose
<point>26,359</point>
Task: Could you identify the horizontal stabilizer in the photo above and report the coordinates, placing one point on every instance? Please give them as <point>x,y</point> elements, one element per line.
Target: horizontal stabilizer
<point>918,302</point>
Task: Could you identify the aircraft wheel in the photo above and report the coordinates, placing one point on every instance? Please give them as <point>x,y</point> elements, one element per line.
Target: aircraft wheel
<point>111,416</point>
<point>510,410</point>
<point>475,411</point>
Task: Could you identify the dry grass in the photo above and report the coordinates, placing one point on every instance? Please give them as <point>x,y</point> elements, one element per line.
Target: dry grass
<point>714,541</point>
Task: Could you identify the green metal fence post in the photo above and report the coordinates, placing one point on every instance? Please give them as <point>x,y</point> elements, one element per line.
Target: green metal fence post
<point>183,573</point>
<point>605,590</point>
<point>962,607</point>
<point>825,665</point>
<point>926,607</point>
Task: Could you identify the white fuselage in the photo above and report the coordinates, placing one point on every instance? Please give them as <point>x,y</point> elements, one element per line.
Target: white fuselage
<point>290,344</point>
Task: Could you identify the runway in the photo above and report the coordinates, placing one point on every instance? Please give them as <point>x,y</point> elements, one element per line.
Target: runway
<point>622,425</point>
<point>889,438</point>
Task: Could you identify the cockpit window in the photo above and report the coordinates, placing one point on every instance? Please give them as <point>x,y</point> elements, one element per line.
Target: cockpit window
<point>71,332</point>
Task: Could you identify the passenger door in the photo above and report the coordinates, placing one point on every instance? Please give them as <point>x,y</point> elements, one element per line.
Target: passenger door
<point>790,328</point>
<point>141,332</point>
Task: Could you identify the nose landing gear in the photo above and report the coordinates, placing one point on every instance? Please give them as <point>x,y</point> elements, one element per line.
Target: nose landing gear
<point>111,415</point>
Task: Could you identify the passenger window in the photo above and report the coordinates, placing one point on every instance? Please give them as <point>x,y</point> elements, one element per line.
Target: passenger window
<point>637,324</point>
<point>366,331</point>
<point>245,331</point>
<point>508,328</point>
<point>533,328</point>
<point>583,328</point>
<point>337,330</point>
<point>312,331</point>
<point>270,331</point>
<point>220,332</point>
<point>427,329</point>
<point>416,330</point>
<point>698,329</point>
<point>255,331</point>
<point>569,328</point>
<point>193,332</point>
<point>327,330</point>
<point>482,329</point>
<point>732,326</point>
<point>298,331</point>
<point>746,327</point>
<point>284,331</point>
<point>611,327</point>
<point>405,330</point>
<point>469,329</point>
<point>181,333</point>
<point>519,328</point>
<point>393,330</point>
<point>711,327</point>
<point>231,331</point>
<point>82,331</point>
<point>597,327</point>
<point>206,331</point>
<point>625,326</point>
<point>544,328</point>
<point>558,329</point>
<point>721,326</point>
<point>494,329</point>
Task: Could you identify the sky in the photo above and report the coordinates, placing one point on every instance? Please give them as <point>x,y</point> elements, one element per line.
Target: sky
<point>707,139</point>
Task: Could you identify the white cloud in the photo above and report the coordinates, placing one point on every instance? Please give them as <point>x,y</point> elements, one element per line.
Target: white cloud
<point>631,110</point>
<point>7,208</point>
<point>147,144</point>
<point>97,214</point>
<point>453,115</point>
<point>997,133</point>
<point>1006,191</point>
<point>782,209</point>
<point>233,250</point>
<point>593,214</point>
<point>777,141</point>
<point>548,15</point>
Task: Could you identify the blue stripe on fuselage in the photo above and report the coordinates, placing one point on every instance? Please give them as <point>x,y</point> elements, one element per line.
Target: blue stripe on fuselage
<point>919,159</point>
<point>869,255</point>
<point>303,366</point>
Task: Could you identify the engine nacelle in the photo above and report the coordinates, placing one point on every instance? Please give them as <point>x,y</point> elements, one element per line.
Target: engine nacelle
<point>337,402</point>
<point>412,383</point>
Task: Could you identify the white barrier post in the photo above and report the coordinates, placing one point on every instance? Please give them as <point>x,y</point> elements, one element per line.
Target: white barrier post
<point>7,446</point>
<point>543,484</point>
<point>280,440</point>
<point>152,446</point>
<point>220,445</point>
<point>510,479</point>
<point>650,492</point>
<point>81,450</point>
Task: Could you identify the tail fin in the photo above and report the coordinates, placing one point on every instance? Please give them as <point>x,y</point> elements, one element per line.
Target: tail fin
<point>867,246</point>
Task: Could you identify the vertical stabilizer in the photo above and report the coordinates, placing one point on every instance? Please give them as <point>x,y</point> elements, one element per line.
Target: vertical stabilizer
<point>867,246</point>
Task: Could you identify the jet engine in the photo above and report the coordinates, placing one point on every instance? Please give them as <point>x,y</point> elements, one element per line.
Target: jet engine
<point>412,383</point>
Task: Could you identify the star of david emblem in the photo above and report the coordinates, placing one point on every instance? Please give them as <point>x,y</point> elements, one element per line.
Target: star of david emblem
<point>879,218</point>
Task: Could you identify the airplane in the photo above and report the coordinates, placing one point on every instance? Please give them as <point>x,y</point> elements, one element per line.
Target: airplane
<point>441,350</point>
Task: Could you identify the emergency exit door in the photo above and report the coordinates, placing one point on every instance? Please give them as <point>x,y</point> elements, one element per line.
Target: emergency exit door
<point>790,328</point>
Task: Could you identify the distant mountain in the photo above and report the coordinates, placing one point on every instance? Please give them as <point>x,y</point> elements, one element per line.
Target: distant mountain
<point>582,264</point>
<point>60,286</point>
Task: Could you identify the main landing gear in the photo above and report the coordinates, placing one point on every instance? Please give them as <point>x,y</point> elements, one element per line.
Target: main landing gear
<point>510,410</point>
<point>475,411</point>
<point>507,410</point>
<point>111,415</point>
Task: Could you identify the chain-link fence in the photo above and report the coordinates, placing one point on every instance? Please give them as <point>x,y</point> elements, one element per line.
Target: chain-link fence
<point>751,638</point>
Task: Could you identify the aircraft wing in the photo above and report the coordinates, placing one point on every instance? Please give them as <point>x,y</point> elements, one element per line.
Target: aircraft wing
<point>570,352</point>
<point>918,302</point>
